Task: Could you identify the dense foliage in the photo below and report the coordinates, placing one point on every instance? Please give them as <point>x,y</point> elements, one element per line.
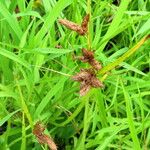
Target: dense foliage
<point>37,60</point>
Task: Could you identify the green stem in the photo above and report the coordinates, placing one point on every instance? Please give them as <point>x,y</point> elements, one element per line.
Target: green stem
<point>23,105</point>
<point>88,33</point>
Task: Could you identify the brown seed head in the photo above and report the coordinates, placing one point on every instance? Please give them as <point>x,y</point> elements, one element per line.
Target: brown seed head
<point>71,25</point>
<point>84,88</point>
<point>38,129</point>
<point>82,75</point>
<point>96,83</point>
<point>42,138</point>
<point>81,30</point>
<point>95,64</point>
<point>88,54</point>
<point>87,79</point>
<point>85,21</point>
<point>50,142</point>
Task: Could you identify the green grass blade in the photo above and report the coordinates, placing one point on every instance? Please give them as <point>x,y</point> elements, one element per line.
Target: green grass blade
<point>130,118</point>
<point>29,13</point>
<point>50,50</point>
<point>23,144</point>
<point>7,117</point>
<point>115,23</point>
<point>24,36</point>
<point>48,97</point>
<point>77,111</point>
<point>123,57</point>
<point>144,28</point>
<point>52,16</point>
<point>109,139</point>
<point>87,118</point>
<point>100,103</point>
<point>132,68</point>
<point>14,57</point>
<point>24,106</point>
<point>11,20</point>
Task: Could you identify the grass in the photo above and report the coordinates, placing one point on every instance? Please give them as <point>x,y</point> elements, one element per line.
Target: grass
<point>35,82</point>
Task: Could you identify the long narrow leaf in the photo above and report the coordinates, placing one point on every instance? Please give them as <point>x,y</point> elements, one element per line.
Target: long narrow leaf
<point>49,21</point>
<point>124,56</point>
<point>6,118</point>
<point>14,57</point>
<point>115,23</point>
<point>11,20</point>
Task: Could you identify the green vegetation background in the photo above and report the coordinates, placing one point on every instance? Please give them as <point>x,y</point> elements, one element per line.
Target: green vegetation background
<point>35,79</point>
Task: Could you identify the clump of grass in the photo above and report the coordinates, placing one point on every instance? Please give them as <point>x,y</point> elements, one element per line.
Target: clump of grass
<point>87,77</point>
<point>35,74</point>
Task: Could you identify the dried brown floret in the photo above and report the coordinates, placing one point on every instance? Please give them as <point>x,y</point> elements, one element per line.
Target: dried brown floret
<point>95,64</point>
<point>72,26</point>
<point>87,78</point>
<point>88,56</point>
<point>96,83</point>
<point>58,46</point>
<point>85,21</point>
<point>42,138</point>
<point>50,142</point>
<point>75,27</point>
<point>84,88</point>
<point>82,75</point>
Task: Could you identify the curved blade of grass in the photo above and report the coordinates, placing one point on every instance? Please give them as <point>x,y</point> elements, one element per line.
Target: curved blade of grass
<point>86,123</point>
<point>48,97</point>
<point>3,120</point>
<point>47,5</point>
<point>111,137</point>
<point>29,13</point>
<point>130,118</point>
<point>115,23</point>
<point>78,109</point>
<point>99,98</point>
<point>25,34</point>
<point>144,28</point>
<point>50,50</point>
<point>11,20</point>
<point>124,56</point>
<point>130,67</point>
<point>16,140</point>
<point>76,112</point>
<point>24,105</point>
<point>13,57</point>
<point>8,94</point>
<point>52,16</point>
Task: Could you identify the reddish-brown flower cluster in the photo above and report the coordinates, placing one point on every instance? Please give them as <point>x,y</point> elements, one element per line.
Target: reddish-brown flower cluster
<point>42,138</point>
<point>80,29</point>
<point>88,56</point>
<point>87,78</point>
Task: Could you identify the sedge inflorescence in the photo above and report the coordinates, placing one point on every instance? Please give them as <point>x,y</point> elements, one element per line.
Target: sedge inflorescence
<point>86,77</point>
